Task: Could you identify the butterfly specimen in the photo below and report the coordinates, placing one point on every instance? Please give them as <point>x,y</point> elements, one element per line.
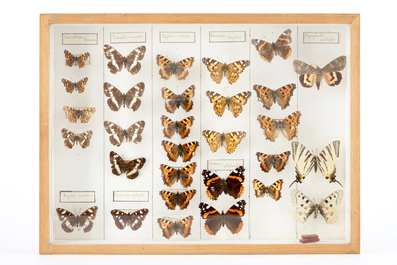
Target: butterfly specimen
<point>118,61</point>
<point>129,100</point>
<point>179,226</point>
<point>267,50</point>
<point>268,96</point>
<point>229,140</point>
<point>232,185</point>
<point>268,161</point>
<point>314,74</point>
<point>234,103</point>
<point>73,114</point>
<point>274,190</point>
<point>172,199</point>
<point>129,167</point>
<point>78,86</point>
<point>219,70</point>
<point>170,68</point>
<point>171,175</point>
<point>71,138</point>
<point>173,101</point>
<point>133,218</point>
<point>327,207</point>
<point>215,220</point>
<point>71,221</point>
<point>306,161</point>
<point>76,60</point>
<point>180,127</point>
<point>185,151</point>
<point>118,135</point>
<point>272,127</point>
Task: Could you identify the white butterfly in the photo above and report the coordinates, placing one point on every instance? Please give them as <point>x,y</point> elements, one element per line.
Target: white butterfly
<point>325,161</point>
<point>327,207</point>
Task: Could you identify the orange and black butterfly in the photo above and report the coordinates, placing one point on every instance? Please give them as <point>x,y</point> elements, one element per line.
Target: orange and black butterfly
<point>79,60</point>
<point>171,226</point>
<point>277,161</point>
<point>181,199</point>
<point>185,151</point>
<point>180,127</point>
<point>281,47</point>
<point>274,190</point>
<point>174,101</point>
<point>179,69</point>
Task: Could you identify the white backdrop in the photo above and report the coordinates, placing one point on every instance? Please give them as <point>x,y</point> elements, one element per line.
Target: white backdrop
<point>19,218</point>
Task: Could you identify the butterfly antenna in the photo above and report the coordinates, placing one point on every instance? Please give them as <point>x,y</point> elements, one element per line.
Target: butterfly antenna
<point>338,182</point>
<point>293,183</point>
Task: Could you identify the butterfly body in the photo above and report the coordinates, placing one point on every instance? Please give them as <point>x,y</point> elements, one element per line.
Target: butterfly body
<point>181,199</point>
<point>274,190</point>
<point>281,47</point>
<point>230,71</point>
<point>312,74</point>
<point>71,221</point>
<point>185,151</point>
<point>277,161</point>
<point>327,207</point>
<point>169,227</point>
<point>215,220</point>
<point>232,185</point>
<point>73,114</point>
<point>273,127</point>
<point>174,101</point>
<point>129,167</point>
<point>229,140</point>
<point>133,218</point>
<point>76,60</point>
<point>83,139</point>
<point>233,104</point>
<point>281,96</point>
<point>324,161</point>
<point>75,86</point>
<point>174,68</point>
<point>129,100</point>
<point>118,62</point>
<point>171,175</point>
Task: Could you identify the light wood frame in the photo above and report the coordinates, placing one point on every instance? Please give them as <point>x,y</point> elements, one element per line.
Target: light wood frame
<point>47,248</point>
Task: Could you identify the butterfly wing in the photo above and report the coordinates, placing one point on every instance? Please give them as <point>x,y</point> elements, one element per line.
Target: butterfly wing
<point>171,149</point>
<point>86,114</point>
<point>214,139</point>
<point>120,218</point>
<point>184,226</point>
<point>85,219</point>
<point>265,95</point>
<point>215,68</point>
<point>170,199</point>
<point>186,197</point>
<point>331,72</point>
<point>170,97</point>
<point>279,161</point>
<point>116,59</point>
<point>80,85</point>
<point>237,101</point>
<point>269,127</point>
<point>304,206</point>
<point>304,160</point>
<point>234,182</point>
<point>233,139</point>
<point>169,126</point>
<point>134,132</point>
<point>275,190</point>
<point>283,95</point>
<point>233,217</point>
<point>132,63</point>
<point>326,161</point>
<point>132,96</point>
<point>212,218</point>
<point>84,138</point>
<point>116,133</point>
<point>235,69</point>
<point>180,69</point>
<point>167,227</point>
<point>283,49</point>
<point>266,161</point>
<point>215,185</point>
<point>168,174</point>
<point>219,102</point>
<point>259,188</point>
<point>68,219</point>
<point>167,69</point>
<point>183,126</point>
<point>185,174</point>
<point>289,125</point>
<point>265,49</point>
<point>132,167</point>
<point>137,218</point>
<point>71,113</point>
<point>69,58</point>
<point>327,207</point>
<point>70,138</point>
<point>115,100</point>
<point>187,150</point>
<point>117,163</point>
<point>308,74</point>
<point>186,98</point>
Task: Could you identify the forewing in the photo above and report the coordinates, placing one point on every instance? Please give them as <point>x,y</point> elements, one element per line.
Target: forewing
<point>327,207</point>
<point>134,132</point>
<point>117,163</point>
<point>269,127</point>
<point>70,138</point>
<point>215,185</point>
<point>289,127</point>
<point>188,150</point>
<point>233,139</point>
<point>213,139</point>
<point>282,44</point>
<point>235,69</point>
<point>281,160</point>
<point>326,161</point>
<point>215,69</point>
<point>116,59</point>
<point>234,182</point>
<point>68,220</point>
<point>180,71</point>
<point>265,95</point>
<point>265,49</point>
<point>275,190</point>
<point>283,95</point>
<point>219,102</point>
<point>265,161</point>
<point>132,167</point>
<point>132,60</point>
<point>304,206</point>
<point>237,102</point>
<point>116,133</point>
<point>115,97</point>
<point>85,219</point>
<point>84,138</point>
<point>132,96</point>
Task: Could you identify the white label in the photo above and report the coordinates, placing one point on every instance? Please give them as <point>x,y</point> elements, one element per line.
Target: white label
<point>227,36</point>
<point>320,37</point>
<point>127,37</point>
<point>77,196</point>
<point>130,196</point>
<point>224,164</point>
<point>177,37</point>
<point>80,38</point>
